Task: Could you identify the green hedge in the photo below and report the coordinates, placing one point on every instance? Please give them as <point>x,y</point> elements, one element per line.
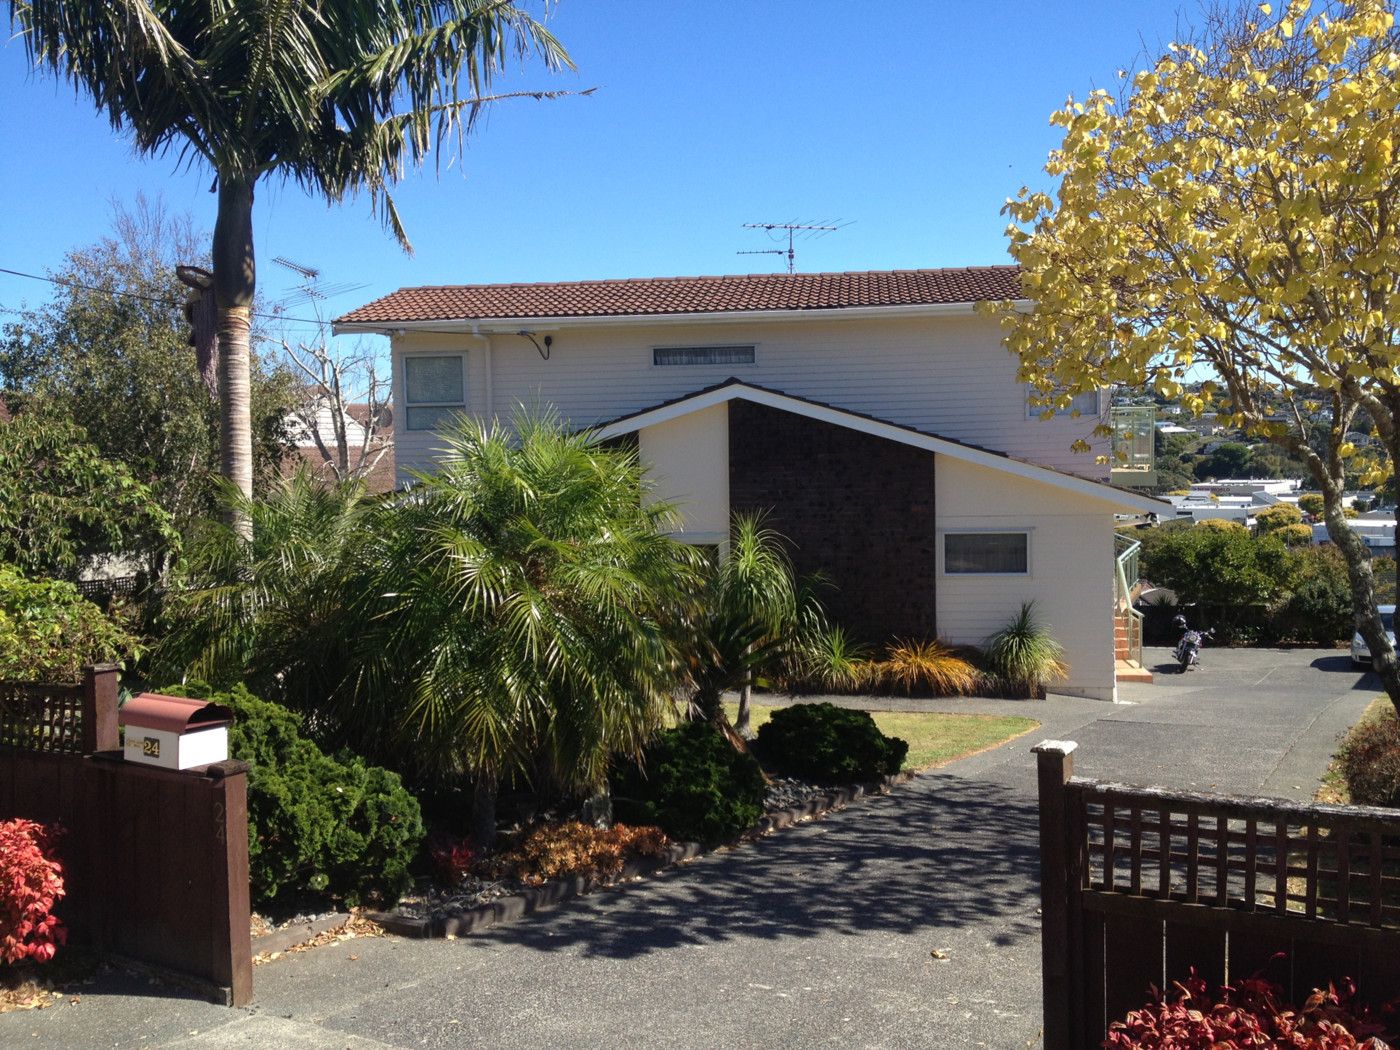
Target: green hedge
<point>692,784</point>
<point>829,744</point>
<point>332,825</point>
<point>48,630</point>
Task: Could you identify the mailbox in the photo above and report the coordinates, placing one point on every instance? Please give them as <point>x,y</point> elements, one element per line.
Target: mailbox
<point>174,732</point>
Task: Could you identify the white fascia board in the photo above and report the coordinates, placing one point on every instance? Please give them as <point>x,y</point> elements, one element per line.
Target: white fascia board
<point>540,324</point>
<point>837,417</point>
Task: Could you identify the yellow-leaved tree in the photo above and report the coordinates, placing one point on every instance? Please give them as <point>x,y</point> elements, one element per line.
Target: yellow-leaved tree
<point>1227,231</point>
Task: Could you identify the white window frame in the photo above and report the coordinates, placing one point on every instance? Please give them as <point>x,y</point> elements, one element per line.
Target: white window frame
<point>409,405</point>
<point>1034,411</point>
<point>1010,530</point>
<point>753,347</point>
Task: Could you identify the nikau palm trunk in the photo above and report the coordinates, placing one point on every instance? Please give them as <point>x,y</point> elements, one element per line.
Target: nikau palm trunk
<point>485,792</point>
<point>235,282</point>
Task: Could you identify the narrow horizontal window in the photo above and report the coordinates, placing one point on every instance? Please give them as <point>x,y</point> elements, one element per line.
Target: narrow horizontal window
<point>1085,404</point>
<point>702,355</point>
<point>986,553</point>
<point>435,389</point>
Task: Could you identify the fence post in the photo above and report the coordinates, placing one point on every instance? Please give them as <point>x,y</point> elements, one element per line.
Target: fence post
<point>1054,767</point>
<point>233,945</point>
<point>100,708</point>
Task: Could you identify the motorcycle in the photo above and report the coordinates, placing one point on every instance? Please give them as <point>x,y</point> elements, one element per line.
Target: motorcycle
<point>1188,650</point>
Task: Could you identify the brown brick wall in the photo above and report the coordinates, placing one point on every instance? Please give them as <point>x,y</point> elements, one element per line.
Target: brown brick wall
<point>856,507</point>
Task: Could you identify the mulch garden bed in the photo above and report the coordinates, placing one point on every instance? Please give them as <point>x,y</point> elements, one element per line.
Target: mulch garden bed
<point>477,904</point>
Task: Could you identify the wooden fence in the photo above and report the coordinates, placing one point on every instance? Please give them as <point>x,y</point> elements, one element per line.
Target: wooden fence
<point>1139,886</point>
<point>155,860</point>
<point>61,719</point>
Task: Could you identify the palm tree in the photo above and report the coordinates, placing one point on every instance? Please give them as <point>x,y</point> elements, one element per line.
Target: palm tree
<point>752,613</point>
<point>338,95</point>
<point>268,609</point>
<point>519,608</point>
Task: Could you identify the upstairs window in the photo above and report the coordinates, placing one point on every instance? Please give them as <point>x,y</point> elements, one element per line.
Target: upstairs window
<point>701,355</point>
<point>1086,404</point>
<point>435,389</point>
<point>987,553</point>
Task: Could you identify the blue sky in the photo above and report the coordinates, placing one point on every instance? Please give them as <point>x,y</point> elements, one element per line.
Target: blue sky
<point>915,119</point>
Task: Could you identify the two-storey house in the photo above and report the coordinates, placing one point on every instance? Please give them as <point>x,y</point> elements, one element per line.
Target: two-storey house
<point>875,418</point>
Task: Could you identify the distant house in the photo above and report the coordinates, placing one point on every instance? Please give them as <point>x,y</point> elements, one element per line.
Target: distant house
<point>1377,533</point>
<point>367,432</point>
<point>875,417</point>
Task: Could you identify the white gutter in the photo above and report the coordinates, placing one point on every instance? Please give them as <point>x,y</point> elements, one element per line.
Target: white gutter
<point>515,324</point>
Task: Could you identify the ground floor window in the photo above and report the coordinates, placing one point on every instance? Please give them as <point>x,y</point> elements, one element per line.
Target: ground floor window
<point>987,553</point>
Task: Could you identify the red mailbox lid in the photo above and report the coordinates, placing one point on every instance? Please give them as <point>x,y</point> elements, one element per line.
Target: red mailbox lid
<point>172,714</point>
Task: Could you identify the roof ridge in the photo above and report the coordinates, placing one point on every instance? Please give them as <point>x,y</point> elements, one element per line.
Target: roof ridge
<point>701,293</point>
<point>982,268</point>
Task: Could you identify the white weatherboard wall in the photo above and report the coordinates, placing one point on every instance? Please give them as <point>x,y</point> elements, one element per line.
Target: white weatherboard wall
<point>947,375</point>
<point>687,461</point>
<point>1071,568</point>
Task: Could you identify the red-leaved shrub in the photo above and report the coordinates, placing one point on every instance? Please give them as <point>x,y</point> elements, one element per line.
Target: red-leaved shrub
<point>452,860</point>
<point>31,882</point>
<point>1251,1013</point>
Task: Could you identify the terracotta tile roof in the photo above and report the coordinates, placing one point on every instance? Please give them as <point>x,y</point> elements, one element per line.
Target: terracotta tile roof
<point>684,295</point>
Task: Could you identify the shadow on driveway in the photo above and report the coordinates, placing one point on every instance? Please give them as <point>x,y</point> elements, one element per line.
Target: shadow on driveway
<point>1341,664</point>
<point>940,852</point>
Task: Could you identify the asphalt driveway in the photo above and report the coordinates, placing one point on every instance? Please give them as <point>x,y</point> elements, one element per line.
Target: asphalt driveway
<point>908,920</point>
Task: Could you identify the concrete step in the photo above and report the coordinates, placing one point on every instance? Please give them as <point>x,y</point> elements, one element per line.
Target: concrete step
<point>1130,671</point>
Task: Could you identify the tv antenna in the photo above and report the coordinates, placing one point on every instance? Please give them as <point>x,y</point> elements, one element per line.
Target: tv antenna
<point>311,289</point>
<point>793,230</point>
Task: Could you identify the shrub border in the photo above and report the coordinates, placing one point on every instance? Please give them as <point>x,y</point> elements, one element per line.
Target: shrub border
<point>552,894</point>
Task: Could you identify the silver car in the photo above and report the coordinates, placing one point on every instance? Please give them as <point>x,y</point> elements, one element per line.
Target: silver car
<point>1360,653</point>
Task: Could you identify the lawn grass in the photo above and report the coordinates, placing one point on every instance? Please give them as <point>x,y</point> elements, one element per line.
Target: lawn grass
<point>1334,787</point>
<point>935,739</point>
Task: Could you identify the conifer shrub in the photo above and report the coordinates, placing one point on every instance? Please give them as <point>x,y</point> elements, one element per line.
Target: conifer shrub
<point>335,826</point>
<point>829,745</point>
<point>692,784</point>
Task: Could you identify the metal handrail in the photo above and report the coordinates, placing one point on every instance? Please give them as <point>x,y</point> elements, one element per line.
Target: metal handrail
<point>1126,566</point>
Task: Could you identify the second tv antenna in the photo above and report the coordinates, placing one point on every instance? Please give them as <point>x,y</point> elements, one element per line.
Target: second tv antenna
<point>793,230</point>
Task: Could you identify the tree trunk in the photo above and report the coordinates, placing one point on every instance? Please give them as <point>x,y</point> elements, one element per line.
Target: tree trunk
<point>1363,593</point>
<point>235,282</point>
<point>705,706</point>
<point>598,807</point>
<point>741,721</point>
<point>483,831</point>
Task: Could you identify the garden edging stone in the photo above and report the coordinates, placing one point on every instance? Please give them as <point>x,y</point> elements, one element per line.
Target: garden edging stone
<point>552,894</point>
<point>284,937</point>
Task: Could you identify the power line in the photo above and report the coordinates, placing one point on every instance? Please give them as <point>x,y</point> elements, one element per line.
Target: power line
<point>178,303</point>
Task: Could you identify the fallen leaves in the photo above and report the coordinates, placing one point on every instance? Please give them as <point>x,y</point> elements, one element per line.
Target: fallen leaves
<point>354,927</point>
